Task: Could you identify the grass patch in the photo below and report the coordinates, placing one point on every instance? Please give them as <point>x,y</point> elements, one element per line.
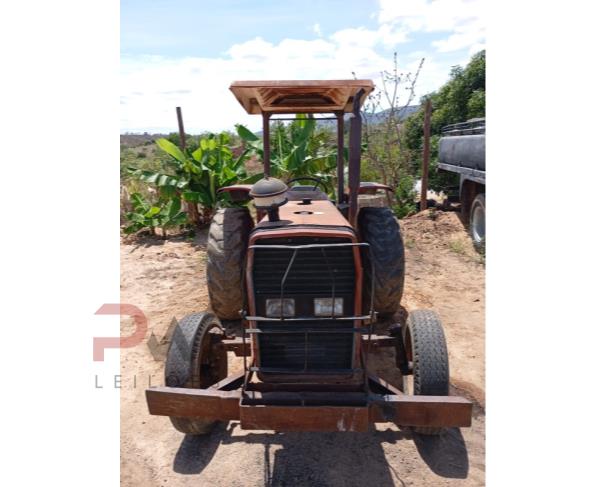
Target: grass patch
<point>480,255</point>
<point>457,246</point>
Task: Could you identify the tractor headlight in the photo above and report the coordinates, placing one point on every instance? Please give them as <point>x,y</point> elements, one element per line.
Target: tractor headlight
<point>323,306</point>
<point>276,308</point>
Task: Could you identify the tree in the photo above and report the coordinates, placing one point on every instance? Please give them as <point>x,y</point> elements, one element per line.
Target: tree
<point>460,99</point>
<point>297,149</point>
<point>386,156</point>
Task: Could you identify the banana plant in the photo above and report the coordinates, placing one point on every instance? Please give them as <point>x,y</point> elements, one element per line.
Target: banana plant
<point>198,174</point>
<point>297,149</point>
<point>164,214</point>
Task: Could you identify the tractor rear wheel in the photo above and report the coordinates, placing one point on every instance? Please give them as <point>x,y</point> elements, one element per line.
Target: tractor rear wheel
<point>195,362</point>
<point>426,348</point>
<point>379,227</point>
<point>227,245</point>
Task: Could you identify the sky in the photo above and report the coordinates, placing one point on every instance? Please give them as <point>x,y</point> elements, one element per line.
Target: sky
<point>186,53</point>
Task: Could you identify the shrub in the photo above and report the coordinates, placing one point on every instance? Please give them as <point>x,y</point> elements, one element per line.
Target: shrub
<point>162,214</point>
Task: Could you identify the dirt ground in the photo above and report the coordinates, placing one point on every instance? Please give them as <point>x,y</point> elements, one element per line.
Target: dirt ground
<point>166,279</point>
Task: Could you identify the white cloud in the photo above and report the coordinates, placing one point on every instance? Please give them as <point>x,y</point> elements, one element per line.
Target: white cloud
<point>465,20</point>
<point>153,86</point>
<point>470,35</point>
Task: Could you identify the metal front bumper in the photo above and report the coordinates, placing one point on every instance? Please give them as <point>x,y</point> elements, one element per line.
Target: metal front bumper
<point>354,411</point>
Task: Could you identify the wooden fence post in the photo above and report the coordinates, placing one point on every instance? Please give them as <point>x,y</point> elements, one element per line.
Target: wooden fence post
<point>192,209</point>
<point>426,154</point>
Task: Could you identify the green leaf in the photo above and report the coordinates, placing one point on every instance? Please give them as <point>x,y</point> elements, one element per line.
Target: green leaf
<point>239,162</point>
<point>174,207</point>
<point>132,228</point>
<point>191,196</point>
<point>171,149</point>
<point>137,199</point>
<point>135,217</point>
<point>154,210</point>
<point>149,177</point>
<point>179,219</point>
<point>253,179</point>
<point>206,197</point>
<point>245,134</point>
<point>223,138</point>
<point>207,144</point>
<point>228,173</point>
<point>165,180</point>
<point>168,191</point>
<point>197,154</point>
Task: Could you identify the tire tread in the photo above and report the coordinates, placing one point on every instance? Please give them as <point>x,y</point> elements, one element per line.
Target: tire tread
<point>379,227</point>
<point>430,358</point>
<point>181,370</point>
<point>226,250</point>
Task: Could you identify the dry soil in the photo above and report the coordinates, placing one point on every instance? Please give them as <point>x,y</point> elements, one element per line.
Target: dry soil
<point>166,279</point>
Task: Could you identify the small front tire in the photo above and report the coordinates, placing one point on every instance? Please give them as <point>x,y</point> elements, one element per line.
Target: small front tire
<point>426,348</point>
<point>195,362</point>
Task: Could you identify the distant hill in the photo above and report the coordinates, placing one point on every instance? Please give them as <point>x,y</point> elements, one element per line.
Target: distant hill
<point>402,112</point>
<point>136,140</point>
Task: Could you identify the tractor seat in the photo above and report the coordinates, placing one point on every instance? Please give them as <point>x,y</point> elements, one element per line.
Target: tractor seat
<point>297,193</point>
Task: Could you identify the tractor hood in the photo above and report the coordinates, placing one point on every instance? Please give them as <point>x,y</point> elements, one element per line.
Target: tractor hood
<point>295,214</point>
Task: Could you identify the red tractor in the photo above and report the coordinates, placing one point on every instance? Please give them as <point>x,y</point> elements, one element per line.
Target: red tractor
<point>307,282</point>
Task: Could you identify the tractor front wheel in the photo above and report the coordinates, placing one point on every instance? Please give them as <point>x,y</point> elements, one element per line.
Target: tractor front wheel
<point>195,361</point>
<point>426,348</point>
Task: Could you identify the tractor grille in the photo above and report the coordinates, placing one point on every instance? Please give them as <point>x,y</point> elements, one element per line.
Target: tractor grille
<point>314,273</point>
<point>306,351</point>
<point>309,274</point>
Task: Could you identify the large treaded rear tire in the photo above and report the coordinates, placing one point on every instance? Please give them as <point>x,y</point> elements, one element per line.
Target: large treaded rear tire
<point>426,347</point>
<point>227,245</point>
<point>379,227</point>
<point>194,363</point>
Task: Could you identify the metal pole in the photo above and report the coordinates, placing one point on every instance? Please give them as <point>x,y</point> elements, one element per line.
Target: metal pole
<point>340,160</point>
<point>426,152</point>
<point>266,145</point>
<point>179,117</point>
<point>354,158</point>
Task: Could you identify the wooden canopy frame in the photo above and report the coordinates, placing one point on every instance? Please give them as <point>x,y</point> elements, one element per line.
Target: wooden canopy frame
<point>299,96</point>
<point>269,98</point>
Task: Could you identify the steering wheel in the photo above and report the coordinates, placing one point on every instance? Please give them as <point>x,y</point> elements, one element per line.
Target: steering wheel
<point>317,181</point>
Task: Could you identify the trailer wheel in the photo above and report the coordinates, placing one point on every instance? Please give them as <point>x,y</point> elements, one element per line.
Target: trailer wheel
<point>477,220</point>
<point>426,348</point>
<point>227,245</point>
<point>195,362</point>
<point>379,227</point>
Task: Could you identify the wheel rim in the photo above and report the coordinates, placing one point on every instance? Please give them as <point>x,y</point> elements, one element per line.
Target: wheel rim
<point>207,367</point>
<point>478,226</point>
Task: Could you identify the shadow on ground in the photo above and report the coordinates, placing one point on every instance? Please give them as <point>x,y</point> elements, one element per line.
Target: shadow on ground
<point>198,239</point>
<point>327,459</point>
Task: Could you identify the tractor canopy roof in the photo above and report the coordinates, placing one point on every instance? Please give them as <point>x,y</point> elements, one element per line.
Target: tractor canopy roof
<point>299,96</point>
